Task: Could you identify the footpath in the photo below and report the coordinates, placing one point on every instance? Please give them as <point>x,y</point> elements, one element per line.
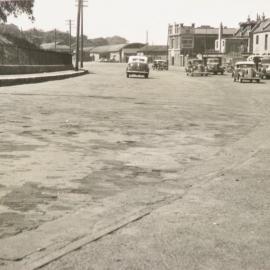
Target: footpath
<point>7,80</point>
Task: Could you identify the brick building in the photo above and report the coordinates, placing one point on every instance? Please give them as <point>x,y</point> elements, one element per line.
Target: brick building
<point>190,40</point>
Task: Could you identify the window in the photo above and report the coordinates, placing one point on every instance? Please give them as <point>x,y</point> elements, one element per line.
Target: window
<point>266,42</point>
<point>176,43</point>
<point>257,39</point>
<point>172,43</point>
<point>187,43</point>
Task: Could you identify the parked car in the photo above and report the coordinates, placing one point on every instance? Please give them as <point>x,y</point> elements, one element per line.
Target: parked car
<point>229,68</point>
<point>265,71</point>
<point>195,67</point>
<point>214,65</point>
<point>246,71</point>
<point>138,65</point>
<point>160,65</point>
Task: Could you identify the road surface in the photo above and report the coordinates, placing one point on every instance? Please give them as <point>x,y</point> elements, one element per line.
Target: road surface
<point>105,172</point>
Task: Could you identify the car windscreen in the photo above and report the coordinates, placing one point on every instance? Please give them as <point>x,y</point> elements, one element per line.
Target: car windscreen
<point>246,66</point>
<point>197,62</point>
<point>136,60</point>
<point>212,61</point>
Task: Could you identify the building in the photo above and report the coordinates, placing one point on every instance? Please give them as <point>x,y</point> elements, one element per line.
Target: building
<point>245,32</point>
<point>261,37</point>
<point>190,41</point>
<point>154,52</point>
<point>117,53</point>
<point>241,43</point>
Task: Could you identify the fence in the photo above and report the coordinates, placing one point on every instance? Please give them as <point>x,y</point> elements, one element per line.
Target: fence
<point>13,55</point>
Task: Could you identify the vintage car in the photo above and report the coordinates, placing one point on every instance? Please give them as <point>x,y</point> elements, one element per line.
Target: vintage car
<point>214,65</point>
<point>137,65</point>
<point>160,65</point>
<point>195,67</point>
<point>265,71</point>
<point>246,71</point>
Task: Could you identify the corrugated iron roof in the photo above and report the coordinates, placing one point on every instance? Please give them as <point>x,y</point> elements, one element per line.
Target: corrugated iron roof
<point>116,48</point>
<point>108,48</point>
<point>153,48</point>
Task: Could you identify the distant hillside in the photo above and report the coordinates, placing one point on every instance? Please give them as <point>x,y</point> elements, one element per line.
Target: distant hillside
<point>37,37</point>
<point>10,34</point>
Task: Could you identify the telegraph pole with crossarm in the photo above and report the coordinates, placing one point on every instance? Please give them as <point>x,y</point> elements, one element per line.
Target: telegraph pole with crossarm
<point>78,35</point>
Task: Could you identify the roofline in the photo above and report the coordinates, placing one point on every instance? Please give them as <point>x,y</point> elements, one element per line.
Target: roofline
<point>260,32</point>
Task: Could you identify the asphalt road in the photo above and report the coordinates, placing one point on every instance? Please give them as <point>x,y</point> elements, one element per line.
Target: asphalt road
<point>166,173</point>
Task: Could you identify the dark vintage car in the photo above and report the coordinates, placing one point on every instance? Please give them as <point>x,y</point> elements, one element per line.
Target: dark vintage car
<point>214,65</point>
<point>195,67</point>
<point>246,71</point>
<point>137,65</point>
<point>160,65</point>
<point>265,71</point>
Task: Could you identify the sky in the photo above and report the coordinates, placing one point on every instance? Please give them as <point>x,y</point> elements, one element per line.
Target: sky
<point>132,18</point>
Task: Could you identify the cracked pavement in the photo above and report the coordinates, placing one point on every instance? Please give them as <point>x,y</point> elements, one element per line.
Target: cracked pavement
<point>91,155</point>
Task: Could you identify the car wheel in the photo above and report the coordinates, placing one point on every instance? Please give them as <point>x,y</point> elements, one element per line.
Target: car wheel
<point>127,75</point>
<point>240,80</point>
<point>146,76</point>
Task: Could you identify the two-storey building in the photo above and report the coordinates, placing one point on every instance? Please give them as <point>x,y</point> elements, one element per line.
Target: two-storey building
<point>190,41</point>
<point>261,37</point>
<point>242,41</point>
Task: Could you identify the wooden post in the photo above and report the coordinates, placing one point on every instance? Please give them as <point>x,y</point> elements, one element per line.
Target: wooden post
<point>78,36</point>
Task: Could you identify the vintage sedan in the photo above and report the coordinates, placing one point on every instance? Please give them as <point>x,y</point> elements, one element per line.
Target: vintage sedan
<point>214,64</point>
<point>265,71</point>
<point>195,67</point>
<point>160,65</point>
<point>246,71</point>
<point>137,65</point>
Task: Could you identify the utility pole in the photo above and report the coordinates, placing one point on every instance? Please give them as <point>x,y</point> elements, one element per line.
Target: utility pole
<point>78,35</point>
<point>83,2</point>
<point>69,22</point>
<point>55,39</point>
<point>82,34</point>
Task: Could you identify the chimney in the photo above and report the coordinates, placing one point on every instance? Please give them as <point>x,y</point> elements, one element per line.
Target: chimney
<point>220,35</point>
<point>193,25</point>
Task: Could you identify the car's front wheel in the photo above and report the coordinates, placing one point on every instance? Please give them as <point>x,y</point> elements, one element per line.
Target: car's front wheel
<point>127,75</point>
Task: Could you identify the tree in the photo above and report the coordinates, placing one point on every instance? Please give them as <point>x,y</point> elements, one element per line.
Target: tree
<point>15,8</point>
